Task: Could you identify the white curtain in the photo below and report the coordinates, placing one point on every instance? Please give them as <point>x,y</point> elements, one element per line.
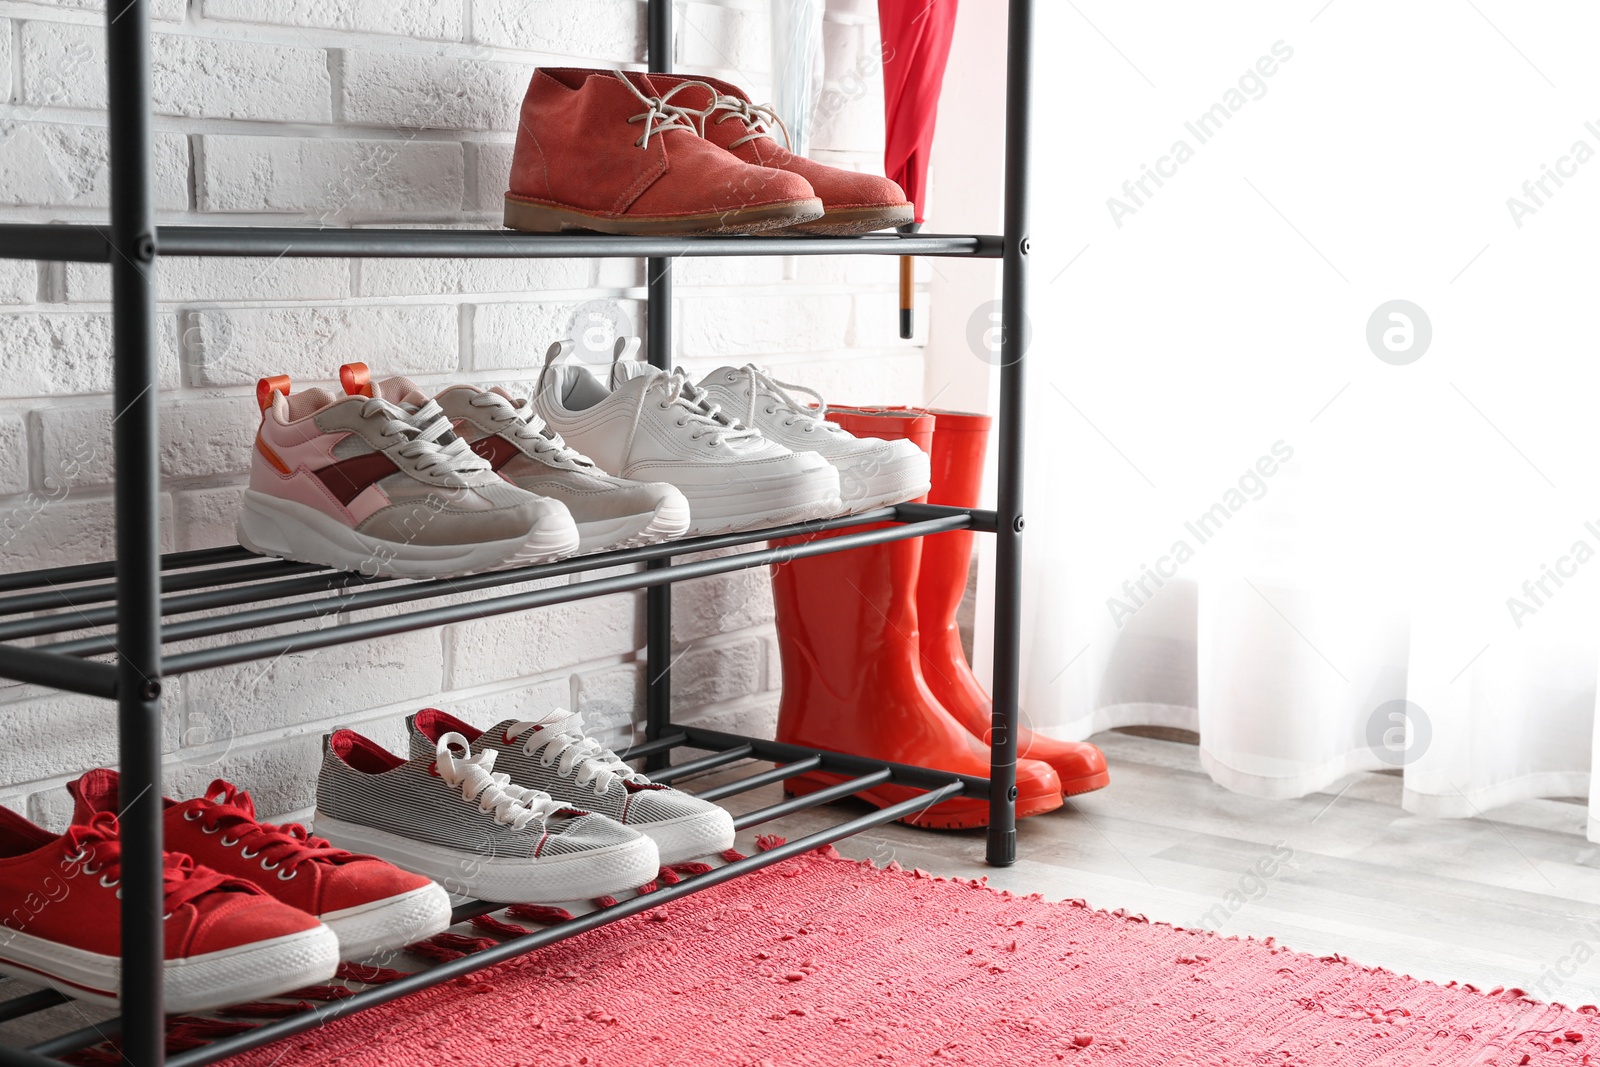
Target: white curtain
<point>1254,510</point>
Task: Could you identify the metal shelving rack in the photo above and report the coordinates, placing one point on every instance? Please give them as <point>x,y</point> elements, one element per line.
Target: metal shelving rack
<point>234,591</point>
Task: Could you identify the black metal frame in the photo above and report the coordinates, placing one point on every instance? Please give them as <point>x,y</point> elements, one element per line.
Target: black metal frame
<point>239,591</point>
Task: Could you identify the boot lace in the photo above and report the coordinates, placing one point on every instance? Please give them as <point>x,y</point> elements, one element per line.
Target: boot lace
<point>697,410</point>
<point>523,423</point>
<point>559,739</point>
<point>511,805</point>
<point>284,849</point>
<point>660,116</point>
<point>760,118</point>
<point>779,399</point>
<point>430,443</point>
<point>96,849</point>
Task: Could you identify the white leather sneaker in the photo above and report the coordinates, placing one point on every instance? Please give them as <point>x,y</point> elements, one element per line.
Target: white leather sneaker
<point>650,425</point>
<point>872,473</point>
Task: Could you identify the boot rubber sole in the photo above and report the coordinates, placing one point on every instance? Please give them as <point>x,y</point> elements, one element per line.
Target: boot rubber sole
<point>534,216</point>
<point>849,221</point>
<point>962,813</point>
<point>1087,784</point>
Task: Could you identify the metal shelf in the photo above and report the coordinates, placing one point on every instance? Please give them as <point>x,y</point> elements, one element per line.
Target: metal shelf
<point>87,243</point>
<point>855,774</point>
<point>261,590</point>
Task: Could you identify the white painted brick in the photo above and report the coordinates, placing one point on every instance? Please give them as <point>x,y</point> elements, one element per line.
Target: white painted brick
<point>52,164</point>
<point>422,277</point>
<point>205,517</point>
<point>492,172</point>
<point>14,446</point>
<point>410,90</point>
<point>19,281</point>
<point>438,20</point>
<point>221,278</point>
<point>236,346</point>
<point>63,65</point>
<point>724,38</point>
<point>720,604</point>
<point>611,700</point>
<point>280,775</point>
<point>711,674</point>
<point>536,642</point>
<point>732,270</point>
<point>61,528</point>
<point>160,10</point>
<point>716,326</point>
<point>517,335</point>
<point>329,178</point>
<point>527,702</point>
<point>600,31</point>
<point>307,687</point>
<point>774,662</point>
<point>885,378</point>
<point>852,270</point>
<point>5,58</point>
<point>755,717</point>
<point>876,322</point>
<point>59,353</point>
<point>199,438</point>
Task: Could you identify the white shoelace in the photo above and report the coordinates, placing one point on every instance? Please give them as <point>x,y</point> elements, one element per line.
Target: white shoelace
<point>760,118</point>
<point>659,116</point>
<point>524,424</point>
<point>422,430</point>
<point>559,739</point>
<point>778,398</point>
<point>494,794</point>
<point>696,407</point>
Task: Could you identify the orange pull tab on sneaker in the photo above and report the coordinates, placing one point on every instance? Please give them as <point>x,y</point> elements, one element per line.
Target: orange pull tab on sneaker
<point>278,383</point>
<point>356,379</point>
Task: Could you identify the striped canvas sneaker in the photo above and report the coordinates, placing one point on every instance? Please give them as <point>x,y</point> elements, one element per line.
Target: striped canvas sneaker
<point>611,513</point>
<point>447,814</point>
<point>371,906</point>
<point>554,756</point>
<point>873,473</point>
<point>379,484</point>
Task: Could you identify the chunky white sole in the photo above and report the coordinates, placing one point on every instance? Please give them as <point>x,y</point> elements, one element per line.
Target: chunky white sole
<point>276,527</point>
<point>593,873</point>
<point>748,504</point>
<point>669,520</point>
<point>691,836</point>
<point>389,924</point>
<point>194,983</point>
<point>868,484</point>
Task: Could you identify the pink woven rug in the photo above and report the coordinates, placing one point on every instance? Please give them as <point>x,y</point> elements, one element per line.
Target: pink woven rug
<point>830,962</point>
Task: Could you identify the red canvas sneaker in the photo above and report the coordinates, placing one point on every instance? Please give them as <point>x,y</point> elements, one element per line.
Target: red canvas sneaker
<point>596,151</point>
<point>370,905</point>
<point>852,202</point>
<point>226,940</point>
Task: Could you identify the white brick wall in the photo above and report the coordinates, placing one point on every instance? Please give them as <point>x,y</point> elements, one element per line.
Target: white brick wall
<point>375,112</point>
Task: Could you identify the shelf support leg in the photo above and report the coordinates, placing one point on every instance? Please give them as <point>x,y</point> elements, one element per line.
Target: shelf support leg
<point>138,519</point>
<point>1002,843</point>
<point>658,336</point>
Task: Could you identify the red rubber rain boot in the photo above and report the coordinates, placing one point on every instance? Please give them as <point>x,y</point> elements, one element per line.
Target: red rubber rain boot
<point>847,636</point>
<point>959,442</point>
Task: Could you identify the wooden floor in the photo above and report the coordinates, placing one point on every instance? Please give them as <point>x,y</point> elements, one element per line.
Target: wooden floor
<point>1512,900</point>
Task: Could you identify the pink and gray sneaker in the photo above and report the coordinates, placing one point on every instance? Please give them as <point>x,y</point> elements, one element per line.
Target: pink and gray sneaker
<point>379,483</point>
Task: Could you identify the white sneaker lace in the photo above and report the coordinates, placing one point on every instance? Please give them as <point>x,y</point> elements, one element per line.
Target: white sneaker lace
<point>777,395</point>
<point>423,428</point>
<point>659,116</point>
<point>696,409</point>
<point>524,424</point>
<point>559,739</point>
<point>494,794</point>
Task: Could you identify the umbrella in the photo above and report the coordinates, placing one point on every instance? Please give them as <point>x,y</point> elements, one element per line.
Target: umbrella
<point>916,45</point>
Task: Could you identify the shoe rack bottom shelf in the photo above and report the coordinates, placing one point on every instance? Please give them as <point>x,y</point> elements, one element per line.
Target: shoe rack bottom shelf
<point>857,773</point>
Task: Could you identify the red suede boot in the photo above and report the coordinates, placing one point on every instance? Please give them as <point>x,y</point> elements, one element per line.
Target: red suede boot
<point>595,151</point>
<point>847,635</point>
<point>959,442</point>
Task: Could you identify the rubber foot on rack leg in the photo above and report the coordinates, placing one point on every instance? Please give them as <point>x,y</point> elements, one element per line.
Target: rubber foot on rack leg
<point>1002,850</point>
